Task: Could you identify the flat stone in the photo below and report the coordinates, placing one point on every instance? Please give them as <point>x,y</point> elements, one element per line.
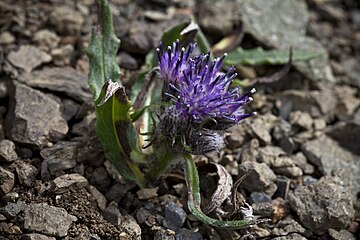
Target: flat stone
<point>316,103</point>
<point>63,55</point>
<point>131,227</point>
<point>69,181</point>
<point>219,17</point>
<point>175,216</point>
<point>7,181</point>
<point>327,155</point>
<point>186,234</point>
<point>261,127</point>
<point>66,20</point>
<point>13,209</point>
<point>6,38</point>
<point>36,236</point>
<point>49,220</point>
<point>325,204</point>
<point>147,193</point>
<point>34,118</point>
<point>46,39</point>
<point>100,198</point>
<point>287,226</point>
<point>28,57</point>
<point>347,102</point>
<point>60,156</point>
<point>287,29</point>
<point>279,162</point>
<point>261,178</point>
<point>100,179</point>
<point>7,151</point>
<point>341,235</point>
<point>59,79</point>
<point>351,67</point>
<point>300,119</point>
<point>291,236</point>
<point>26,173</point>
<point>112,214</point>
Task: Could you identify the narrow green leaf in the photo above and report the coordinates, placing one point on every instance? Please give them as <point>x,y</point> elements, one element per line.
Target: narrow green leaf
<point>194,199</point>
<point>258,56</point>
<point>113,122</point>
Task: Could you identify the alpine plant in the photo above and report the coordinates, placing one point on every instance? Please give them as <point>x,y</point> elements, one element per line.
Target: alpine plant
<point>199,101</point>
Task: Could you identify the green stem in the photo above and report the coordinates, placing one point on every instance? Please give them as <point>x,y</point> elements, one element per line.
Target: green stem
<point>163,157</point>
<point>194,199</point>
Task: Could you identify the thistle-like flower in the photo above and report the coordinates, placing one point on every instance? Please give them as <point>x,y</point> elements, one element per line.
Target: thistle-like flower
<point>202,101</point>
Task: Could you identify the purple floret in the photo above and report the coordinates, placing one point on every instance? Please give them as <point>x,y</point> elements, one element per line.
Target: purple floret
<point>173,61</point>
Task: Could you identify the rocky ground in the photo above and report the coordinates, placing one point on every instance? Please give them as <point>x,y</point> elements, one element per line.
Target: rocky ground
<point>303,147</point>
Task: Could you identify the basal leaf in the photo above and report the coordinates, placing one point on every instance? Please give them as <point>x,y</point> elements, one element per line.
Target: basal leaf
<point>113,123</point>
<point>258,56</point>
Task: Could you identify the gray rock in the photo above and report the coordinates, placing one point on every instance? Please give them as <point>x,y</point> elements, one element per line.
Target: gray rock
<point>34,118</point>
<point>219,17</point>
<point>281,164</point>
<point>300,119</point>
<point>112,214</point>
<point>100,198</point>
<point>186,234</point>
<point>347,102</point>
<point>259,197</point>
<point>131,228</point>
<point>68,181</point>
<point>288,27</point>
<point>36,236</point>
<point>308,180</point>
<point>351,67</point>
<point>25,172</point>
<point>327,155</point>
<point>63,55</point>
<point>147,193</point>
<point>46,39</point>
<point>2,218</point>
<point>347,135</point>
<point>261,178</point>
<point>28,57</point>
<point>47,219</point>
<point>283,186</point>
<point>6,38</point>
<point>237,137</point>
<point>127,61</point>
<point>10,197</point>
<point>341,235</point>
<point>66,20</point>
<point>175,216</point>
<point>7,181</point>
<point>100,179</point>
<point>10,229</point>
<point>263,209</point>
<point>61,156</point>
<point>7,151</point>
<point>261,127</point>
<point>118,191</point>
<point>69,108</point>
<point>316,103</point>
<point>286,226</point>
<point>13,209</point>
<point>301,161</point>
<point>59,79</point>
<point>323,205</point>
<point>292,236</point>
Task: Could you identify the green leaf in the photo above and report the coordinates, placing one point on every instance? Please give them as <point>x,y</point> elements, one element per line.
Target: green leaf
<point>258,56</point>
<point>113,123</point>
<point>194,199</point>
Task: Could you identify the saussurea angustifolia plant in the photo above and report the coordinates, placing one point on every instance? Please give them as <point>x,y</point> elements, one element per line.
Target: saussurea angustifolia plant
<point>182,103</point>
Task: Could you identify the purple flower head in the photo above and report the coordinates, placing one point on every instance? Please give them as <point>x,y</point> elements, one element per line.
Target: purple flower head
<point>204,94</point>
<point>201,101</point>
<point>173,61</point>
